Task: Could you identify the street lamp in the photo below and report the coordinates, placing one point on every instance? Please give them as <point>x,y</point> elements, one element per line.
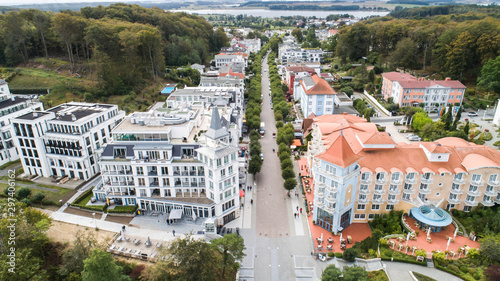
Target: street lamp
<point>95,223</point>
<point>484,116</point>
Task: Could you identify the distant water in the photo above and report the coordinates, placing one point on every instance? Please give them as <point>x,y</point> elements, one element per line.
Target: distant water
<point>279,13</point>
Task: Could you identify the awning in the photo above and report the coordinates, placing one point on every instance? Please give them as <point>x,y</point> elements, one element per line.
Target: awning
<point>460,170</point>
<point>366,170</point>
<point>411,170</point>
<point>395,170</point>
<point>380,170</point>
<point>175,214</point>
<point>443,170</point>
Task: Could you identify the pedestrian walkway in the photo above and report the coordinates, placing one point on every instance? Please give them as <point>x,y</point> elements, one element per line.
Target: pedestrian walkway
<point>79,192</point>
<point>399,271</point>
<point>296,201</point>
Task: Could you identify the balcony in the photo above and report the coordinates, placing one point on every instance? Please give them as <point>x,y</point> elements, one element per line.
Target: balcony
<point>453,201</point>
<point>458,181</point>
<point>318,203</point>
<point>409,190</point>
<point>394,191</point>
<point>427,181</point>
<point>366,181</point>
<point>153,173</point>
<point>121,183</point>
<point>456,191</point>
<point>319,193</point>
<point>363,200</point>
<point>424,190</point>
<point>392,201</point>
<point>396,182</point>
<point>412,181</point>
<point>380,181</point>
<point>471,203</point>
<point>479,182</point>
<point>154,184</point>
<point>377,200</point>
<point>494,183</point>
<point>474,193</point>
<point>378,191</point>
<point>329,209</point>
<point>331,199</point>
<point>364,191</point>
<point>491,192</point>
<point>488,203</point>
<point>497,200</point>
<point>332,189</point>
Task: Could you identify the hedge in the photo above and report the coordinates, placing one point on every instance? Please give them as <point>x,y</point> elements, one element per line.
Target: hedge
<point>458,274</point>
<point>404,260</point>
<point>83,196</point>
<point>123,209</point>
<point>100,208</point>
<point>81,202</point>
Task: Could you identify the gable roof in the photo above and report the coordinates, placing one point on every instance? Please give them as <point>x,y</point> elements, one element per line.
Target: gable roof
<point>321,87</point>
<point>396,76</point>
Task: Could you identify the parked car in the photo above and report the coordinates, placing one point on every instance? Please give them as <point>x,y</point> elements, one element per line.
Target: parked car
<point>414,138</point>
<point>473,114</point>
<point>262,156</point>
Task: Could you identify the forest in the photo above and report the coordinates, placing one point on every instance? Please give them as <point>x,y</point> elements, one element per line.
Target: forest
<point>453,45</point>
<point>122,46</point>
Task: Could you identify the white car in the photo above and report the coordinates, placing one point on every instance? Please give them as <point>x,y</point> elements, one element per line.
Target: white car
<point>262,156</point>
<point>473,114</point>
<point>414,138</point>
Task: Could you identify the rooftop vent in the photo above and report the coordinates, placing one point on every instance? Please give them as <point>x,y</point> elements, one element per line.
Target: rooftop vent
<point>73,117</point>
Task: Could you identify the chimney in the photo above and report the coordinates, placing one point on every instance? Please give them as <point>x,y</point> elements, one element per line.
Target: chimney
<point>447,79</point>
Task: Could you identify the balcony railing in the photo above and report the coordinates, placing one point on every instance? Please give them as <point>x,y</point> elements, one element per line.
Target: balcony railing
<point>474,193</point>
<point>424,190</point>
<point>479,182</point>
<point>458,181</point>
<point>413,180</point>
<point>491,192</point>
<point>378,191</point>
<point>381,181</point>
<point>363,200</point>
<point>488,203</point>
<point>331,199</point>
<point>497,200</point>
<point>364,191</point>
<point>394,191</point>
<point>392,201</point>
<point>378,200</point>
<point>409,190</point>
<point>471,203</point>
<point>427,181</point>
<point>329,209</point>
<point>493,183</point>
<point>398,181</point>
<point>456,191</point>
<point>332,189</point>
<point>454,201</point>
<point>366,181</point>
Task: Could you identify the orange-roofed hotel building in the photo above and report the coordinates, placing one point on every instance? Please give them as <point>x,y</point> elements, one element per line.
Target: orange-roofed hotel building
<point>407,90</point>
<point>359,172</point>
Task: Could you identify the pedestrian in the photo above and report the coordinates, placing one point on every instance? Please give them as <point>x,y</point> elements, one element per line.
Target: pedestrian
<point>173,232</point>
<point>297,208</point>
<point>301,210</point>
<point>296,194</point>
<point>123,228</point>
<point>294,215</point>
<point>251,201</point>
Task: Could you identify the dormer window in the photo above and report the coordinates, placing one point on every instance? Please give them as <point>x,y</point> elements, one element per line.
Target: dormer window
<point>119,152</point>
<point>410,176</point>
<point>395,176</point>
<point>365,176</point>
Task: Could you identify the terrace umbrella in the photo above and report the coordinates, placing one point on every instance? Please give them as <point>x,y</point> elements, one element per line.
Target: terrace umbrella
<point>148,242</point>
<point>242,193</point>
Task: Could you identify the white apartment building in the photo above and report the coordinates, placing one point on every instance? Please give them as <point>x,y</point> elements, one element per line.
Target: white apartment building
<point>224,59</point>
<point>11,106</point>
<point>162,161</point>
<point>65,140</point>
<point>315,94</point>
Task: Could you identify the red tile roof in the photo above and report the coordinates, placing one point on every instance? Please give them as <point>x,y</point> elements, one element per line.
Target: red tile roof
<point>396,76</point>
<point>321,88</point>
<point>340,153</point>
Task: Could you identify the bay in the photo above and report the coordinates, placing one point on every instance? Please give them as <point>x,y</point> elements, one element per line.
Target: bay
<point>280,13</point>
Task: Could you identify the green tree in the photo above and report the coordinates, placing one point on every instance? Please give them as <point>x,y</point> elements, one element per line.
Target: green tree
<point>355,273</point>
<point>405,54</point>
<point>297,33</point>
<point>255,165</point>
<point>331,273</point>
<point>490,247</point>
<point>231,246</point>
<point>38,197</point>
<point>288,173</point>
<point>287,163</point>
<point>420,119</point>
<point>347,90</point>
<point>349,254</point>
<point>74,255</point>
<point>290,183</point>
<point>100,266</point>
<point>353,42</point>
<point>459,55</point>
<point>457,119</point>
<point>489,80</point>
<point>466,128</point>
<point>23,192</point>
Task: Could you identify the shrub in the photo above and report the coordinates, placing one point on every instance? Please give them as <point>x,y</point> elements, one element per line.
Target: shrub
<point>464,269</point>
<point>26,201</point>
<point>338,255</point>
<point>349,255</point>
<point>23,192</point>
<point>331,254</point>
<point>38,197</point>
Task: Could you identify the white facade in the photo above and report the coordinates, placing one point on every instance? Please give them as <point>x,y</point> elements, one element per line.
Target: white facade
<point>198,176</point>
<point>319,103</point>
<point>65,140</point>
<point>11,107</point>
<point>223,60</point>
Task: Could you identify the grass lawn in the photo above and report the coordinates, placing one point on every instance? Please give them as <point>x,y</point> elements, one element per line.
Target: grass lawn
<point>61,194</point>
<point>378,276</point>
<point>421,277</point>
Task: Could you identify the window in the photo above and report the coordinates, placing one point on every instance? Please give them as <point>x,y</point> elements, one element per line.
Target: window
<point>473,188</point>
<point>493,178</point>
<point>375,207</point>
<point>371,216</point>
<point>365,176</point>
<point>422,196</point>
<point>453,196</point>
<point>219,162</point>
<point>470,198</point>
<point>380,176</point>
<point>393,187</point>
<point>487,198</point>
<point>140,171</point>
<point>378,187</point>
<point>359,216</point>
<point>475,178</point>
<point>363,187</point>
<point>362,197</point>
<point>424,186</point>
<point>361,206</point>
<point>410,176</point>
<point>389,207</point>
<point>406,196</point>
<point>450,206</point>
<point>395,177</point>
<point>223,172</point>
<point>467,208</point>
<point>455,187</point>
<point>331,169</point>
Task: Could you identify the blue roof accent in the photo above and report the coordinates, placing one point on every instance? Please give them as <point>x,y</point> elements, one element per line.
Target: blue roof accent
<point>167,90</point>
<point>431,215</point>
